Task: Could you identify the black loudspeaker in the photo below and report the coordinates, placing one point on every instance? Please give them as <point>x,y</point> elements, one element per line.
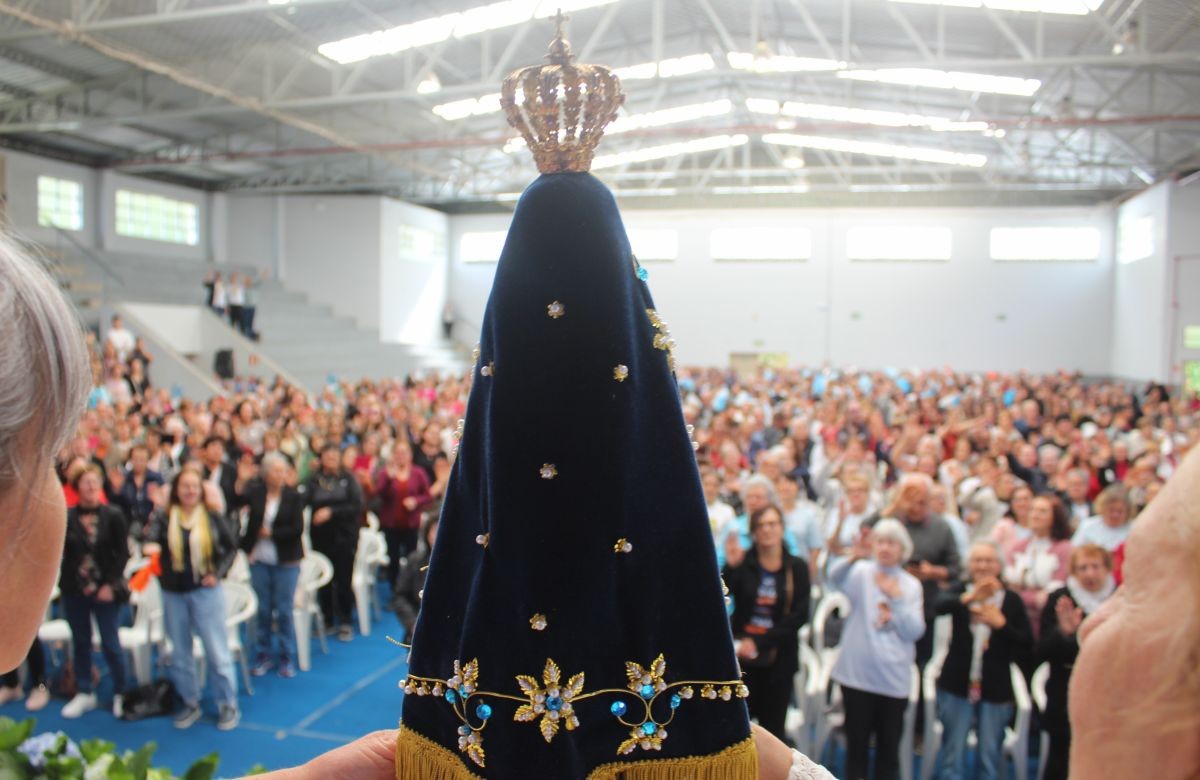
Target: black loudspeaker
<point>223,363</point>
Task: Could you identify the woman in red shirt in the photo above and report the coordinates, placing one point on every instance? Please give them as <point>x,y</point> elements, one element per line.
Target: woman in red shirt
<point>403,488</point>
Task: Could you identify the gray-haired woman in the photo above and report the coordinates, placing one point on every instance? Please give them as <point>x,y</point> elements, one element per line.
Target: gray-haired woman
<point>44,382</point>
<point>878,645</point>
<point>273,544</point>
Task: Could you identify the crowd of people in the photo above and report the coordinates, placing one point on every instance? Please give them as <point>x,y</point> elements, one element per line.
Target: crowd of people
<point>1001,501</point>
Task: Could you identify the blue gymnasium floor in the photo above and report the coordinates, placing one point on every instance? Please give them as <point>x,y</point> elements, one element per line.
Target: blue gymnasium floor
<point>348,693</point>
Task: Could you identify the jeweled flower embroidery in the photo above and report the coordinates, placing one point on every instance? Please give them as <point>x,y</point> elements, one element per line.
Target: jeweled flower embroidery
<point>551,700</point>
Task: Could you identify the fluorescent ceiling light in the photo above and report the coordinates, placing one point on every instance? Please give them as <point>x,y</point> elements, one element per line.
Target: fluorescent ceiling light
<point>429,85</point>
<point>646,192</point>
<point>780,63</point>
<point>943,79</point>
<point>877,149</point>
<point>860,116</point>
<point>670,116</point>
<point>439,28</point>
<point>695,146</point>
<point>461,109</point>
<point>665,69</point>
<point>665,116</point>
<point>1072,7</point>
<point>762,189</point>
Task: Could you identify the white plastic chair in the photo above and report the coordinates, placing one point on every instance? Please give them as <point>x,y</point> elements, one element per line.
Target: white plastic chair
<point>942,627</point>
<point>146,632</point>
<point>831,713</point>
<point>1037,686</point>
<point>1016,736</point>
<point>55,631</point>
<point>802,717</point>
<point>372,551</point>
<point>316,571</point>
<point>908,736</point>
<point>239,571</point>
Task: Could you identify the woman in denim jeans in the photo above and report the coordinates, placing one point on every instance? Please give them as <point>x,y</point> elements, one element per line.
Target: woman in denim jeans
<point>990,631</point>
<point>197,550</point>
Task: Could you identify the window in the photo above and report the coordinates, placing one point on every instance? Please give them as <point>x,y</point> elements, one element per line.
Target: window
<point>157,218</point>
<point>421,245</point>
<point>892,242</point>
<point>1191,337</point>
<point>482,247</point>
<point>60,203</point>
<point>1135,239</point>
<point>1045,243</point>
<point>654,243</point>
<point>743,244</point>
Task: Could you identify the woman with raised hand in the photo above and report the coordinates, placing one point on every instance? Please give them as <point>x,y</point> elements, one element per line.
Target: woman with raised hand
<point>878,645</point>
<point>197,549</point>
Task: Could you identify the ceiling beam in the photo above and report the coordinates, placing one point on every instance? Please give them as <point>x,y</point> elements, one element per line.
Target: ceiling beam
<point>169,17</point>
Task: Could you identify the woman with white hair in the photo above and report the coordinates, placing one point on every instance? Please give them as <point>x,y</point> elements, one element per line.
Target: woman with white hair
<point>990,630</point>
<point>272,543</point>
<point>44,383</point>
<point>874,667</point>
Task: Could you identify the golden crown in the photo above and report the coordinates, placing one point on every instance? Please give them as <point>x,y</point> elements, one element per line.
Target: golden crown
<point>562,108</point>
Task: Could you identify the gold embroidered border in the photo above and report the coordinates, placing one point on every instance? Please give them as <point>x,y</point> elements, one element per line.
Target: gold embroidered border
<point>420,758</point>
<point>646,685</point>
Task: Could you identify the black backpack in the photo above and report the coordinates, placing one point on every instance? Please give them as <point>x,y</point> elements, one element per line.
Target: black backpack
<point>150,700</point>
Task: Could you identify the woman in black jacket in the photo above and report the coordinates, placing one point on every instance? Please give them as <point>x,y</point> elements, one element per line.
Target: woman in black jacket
<point>337,502</point>
<point>770,590</point>
<point>92,583</point>
<point>273,545</point>
<point>197,548</point>
<point>1089,585</point>
<point>990,631</point>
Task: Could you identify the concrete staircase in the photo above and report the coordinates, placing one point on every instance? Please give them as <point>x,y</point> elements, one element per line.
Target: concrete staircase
<point>307,339</point>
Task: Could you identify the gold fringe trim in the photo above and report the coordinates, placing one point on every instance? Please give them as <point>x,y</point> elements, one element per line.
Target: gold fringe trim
<point>736,762</point>
<point>420,758</point>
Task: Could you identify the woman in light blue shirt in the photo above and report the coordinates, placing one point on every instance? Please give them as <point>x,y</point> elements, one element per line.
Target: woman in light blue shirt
<point>878,647</point>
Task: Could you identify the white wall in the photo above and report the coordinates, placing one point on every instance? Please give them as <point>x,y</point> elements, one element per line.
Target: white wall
<point>332,251</point>
<point>1140,338</point>
<point>252,231</point>
<point>111,181</point>
<point>1055,315</point>
<point>1183,284</point>
<point>21,173</point>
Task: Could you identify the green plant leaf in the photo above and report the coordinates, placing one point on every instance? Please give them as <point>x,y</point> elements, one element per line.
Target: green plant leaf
<point>139,762</point>
<point>92,749</point>
<point>13,734</point>
<point>204,769</point>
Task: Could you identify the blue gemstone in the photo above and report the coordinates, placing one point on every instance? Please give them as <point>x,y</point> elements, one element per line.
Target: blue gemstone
<point>464,730</point>
<point>554,704</point>
<point>462,691</point>
<point>647,691</point>
<point>649,728</point>
<point>618,708</point>
<point>676,700</point>
<point>484,711</point>
<point>451,696</point>
<point>643,274</point>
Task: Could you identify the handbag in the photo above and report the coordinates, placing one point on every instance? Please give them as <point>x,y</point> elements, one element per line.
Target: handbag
<point>763,660</point>
<point>150,700</point>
